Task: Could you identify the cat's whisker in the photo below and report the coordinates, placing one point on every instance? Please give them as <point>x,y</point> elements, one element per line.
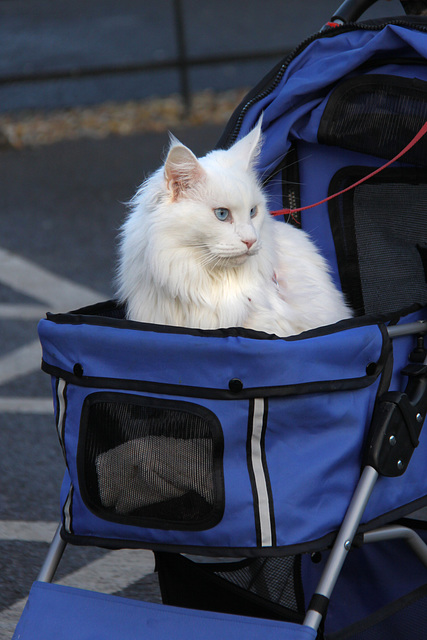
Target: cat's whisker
<point>279,168</point>
<point>207,259</point>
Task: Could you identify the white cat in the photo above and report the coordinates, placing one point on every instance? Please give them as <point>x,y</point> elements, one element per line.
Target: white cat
<point>200,249</point>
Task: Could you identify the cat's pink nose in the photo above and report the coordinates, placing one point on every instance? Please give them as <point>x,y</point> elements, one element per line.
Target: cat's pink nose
<point>249,243</point>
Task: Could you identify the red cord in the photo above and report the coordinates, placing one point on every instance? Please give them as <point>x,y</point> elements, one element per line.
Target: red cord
<point>413,142</point>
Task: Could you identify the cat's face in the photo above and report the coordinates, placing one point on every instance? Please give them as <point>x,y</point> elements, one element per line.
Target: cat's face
<point>217,204</point>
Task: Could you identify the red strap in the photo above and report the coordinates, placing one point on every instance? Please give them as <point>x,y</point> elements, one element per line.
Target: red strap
<point>413,142</point>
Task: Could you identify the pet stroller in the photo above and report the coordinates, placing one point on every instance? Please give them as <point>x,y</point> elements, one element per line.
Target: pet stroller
<point>262,470</point>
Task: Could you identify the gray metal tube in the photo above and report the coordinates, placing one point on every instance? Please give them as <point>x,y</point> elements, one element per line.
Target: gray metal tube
<point>53,558</point>
<point>395,531</point>
<point>407,329</point>
<point>343,541</point>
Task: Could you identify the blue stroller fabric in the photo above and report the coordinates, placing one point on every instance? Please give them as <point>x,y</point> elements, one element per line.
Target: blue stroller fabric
<point>298,409</point>
<point>50,613</point>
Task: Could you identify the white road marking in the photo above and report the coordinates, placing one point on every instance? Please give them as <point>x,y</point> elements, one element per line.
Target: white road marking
<point>22,311</point>
<point>20,362</point>
<point>27,531</point>
<point>112,573</point>
<point>55,294</point>
<point>32,406</point>
<point>40,284</point>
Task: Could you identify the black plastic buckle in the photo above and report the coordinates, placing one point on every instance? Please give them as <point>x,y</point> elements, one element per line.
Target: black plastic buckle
<point>396,424</point>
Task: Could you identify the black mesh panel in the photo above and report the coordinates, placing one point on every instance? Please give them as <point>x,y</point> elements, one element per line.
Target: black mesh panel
<point>256,587</point>
<point>143,460</point>
<point>378,115</point>
<point>380,233</point>
<point>272,579</point>
<point>391,270</point>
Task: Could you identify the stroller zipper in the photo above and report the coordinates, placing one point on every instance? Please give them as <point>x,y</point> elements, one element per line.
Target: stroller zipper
<point>231,135</point>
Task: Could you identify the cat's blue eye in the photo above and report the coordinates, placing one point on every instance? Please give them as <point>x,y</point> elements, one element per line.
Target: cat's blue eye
<point>222,213</point>
<point>254,211</point>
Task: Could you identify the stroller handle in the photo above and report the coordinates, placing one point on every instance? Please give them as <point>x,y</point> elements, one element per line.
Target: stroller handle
<point>351,10</point>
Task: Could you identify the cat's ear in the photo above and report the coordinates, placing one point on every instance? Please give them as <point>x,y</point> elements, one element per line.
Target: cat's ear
<point>247,149</point>
<point>182,170</point>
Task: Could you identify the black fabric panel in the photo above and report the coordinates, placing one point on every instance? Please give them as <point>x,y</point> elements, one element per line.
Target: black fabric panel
<point>378,229</point>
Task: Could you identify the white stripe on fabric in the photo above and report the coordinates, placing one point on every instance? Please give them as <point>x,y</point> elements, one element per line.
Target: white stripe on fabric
<point>67,510</point>
<point>258,469</point>
<point>61,400</point>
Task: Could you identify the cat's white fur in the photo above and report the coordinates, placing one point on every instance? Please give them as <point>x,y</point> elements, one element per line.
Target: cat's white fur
<point>180,265</point>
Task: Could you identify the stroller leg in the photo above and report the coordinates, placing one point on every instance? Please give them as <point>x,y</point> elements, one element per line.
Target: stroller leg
<point>342,545</point>
<point>392,532</point>
<point>53,558</point>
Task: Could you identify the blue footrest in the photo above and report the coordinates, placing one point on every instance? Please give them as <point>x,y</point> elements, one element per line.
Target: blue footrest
<point>54,611</point>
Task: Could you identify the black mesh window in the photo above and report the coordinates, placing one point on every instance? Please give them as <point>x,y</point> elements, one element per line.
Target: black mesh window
<point>151,463</point>
<point>378,115</point>
<point>380,235</point>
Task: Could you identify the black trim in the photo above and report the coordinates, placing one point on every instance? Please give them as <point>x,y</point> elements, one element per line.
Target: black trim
<point>319,603</point>
<point>303,388</point>
<point>320,544</point>
<point>252,474</point>
<point>103,314</point>
<point>413,523</point>
<point>394,515</point>
<point>342,230</point>
<point>217,511</point>
<point>322,386</point>
<point>111,314</point>
<point>422,250</point>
